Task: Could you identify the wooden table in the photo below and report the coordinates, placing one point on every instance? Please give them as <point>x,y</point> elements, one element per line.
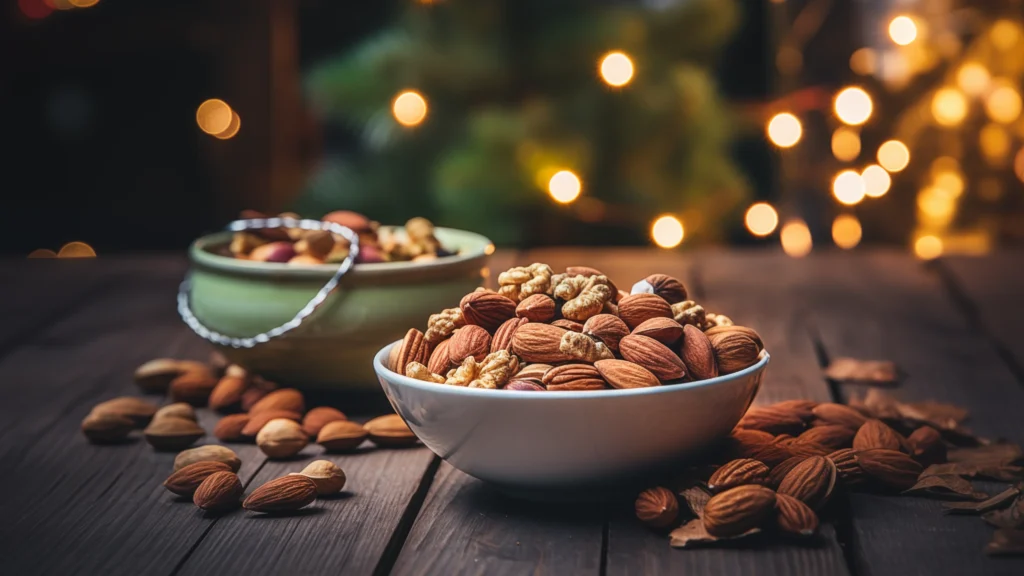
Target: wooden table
<point>73,331</point>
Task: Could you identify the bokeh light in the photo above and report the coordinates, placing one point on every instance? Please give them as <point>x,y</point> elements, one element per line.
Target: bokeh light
<point>994,141</point>
<point>1005,34</point>
<point>876,181</point>
<point>214,116</point>
<point>796,240</point>
<point>1018,164</point>
<point>853,106</point>
<point>990,189</point>
<point>848,187</point>
<point>944,164</point>
<point>784,130</point>
<point>973,78</point>
<point>76,250</point>
<point>34,9</point>
<point>935,206</point>
<point>761,219</point>
<point>409,108</point>
<point>902,30</point>
<point>893,155</point>
<point>83,3</point>
<point>564,186</point>
<point>928,247</point>
<point>616,69</point>
<point>42,253</point>
<point>846,231</point>
<point>667,231</point>
<point>951,182</point>
<point>864,61</point>
<point>1003,104</point>
<point>949,106</point>
<point>845,144</point>
<point>233,127</point>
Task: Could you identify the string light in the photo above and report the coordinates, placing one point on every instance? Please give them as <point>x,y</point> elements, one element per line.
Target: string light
<point>876,181</point>
<point>902,30</point>
<point>76,250</point>
<point>784,130</point>
<point>616,69</point>
<point>949,106</point>
<point>846,231</point>
<point>409,108</point>
<point>42,253</point>
<point>667,231</point>
<point>848,187</point>
<point>864,61</point>
<point>564,186</point>
<point>928,247</point>
<point>973,78</point>
<point>853,106</point>
<point>1003,104</point>
<point>893,155</point>
<point>761,219</point>
<point>845,144</point>
<point>214,116</point>
<point>796,239</point>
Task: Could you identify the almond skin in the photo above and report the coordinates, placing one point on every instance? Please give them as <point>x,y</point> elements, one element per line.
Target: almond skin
<point>440,361</point>
<point>657,507</point>
<point>830,413</point>
<point>637,308</point>
<point>890,468</point>
<point>281,438</point>
<point>733,351</point>
<point>285,494</point>
<point>772,420</point>
<point>487,309</point>
<point>738,510</point>
<point>524,386</point>
<point>748,332</point>
<point>259,420</point>
<point>566,324</point>
<point>341,436</point>
<point>139,411</point>
<point>536,308</point>
<point>317,418</point>
<point>606,328</point>
<point>327,476</point>
<point>795,517</point>
<point>227,394</point>
<point>669,288</point>
<point>502,339</point>
<point>193,387</point>
<point>652,355</point>
<point>780,470</point>
<point>177,410</point>
<point>107,428</point>
<point>833,436</point>
<point>390,431</point>
<point>697,353</point>
<point>810,481</point>
<point>172,434</point>
<point>927,446</point>
<point>848,470</point>
<point>538,343</point>
<point>185,481</point>
<point>738,473</point>
<point>229,428</point>
<point>622,374</point>
<point>208,453</point>
<point>876,434</point>
<point>288,399</point>
<point>470,340</point>
<point>220,491</point>
<point>664,330</point>
<point>155,376</point>
<point>573,377</point>
<point>414,348</point>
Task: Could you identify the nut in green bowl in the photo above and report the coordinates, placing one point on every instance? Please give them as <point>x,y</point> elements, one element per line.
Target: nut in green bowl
<point>373,305</point>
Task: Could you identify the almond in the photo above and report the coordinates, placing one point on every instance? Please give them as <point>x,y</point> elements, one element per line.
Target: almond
<point>285,494</point>
<point>738,510</point>
<point>536,342</point>
<point>606,328</point>
<point>748,332</point>
<point>664,330</point>
<point>657,507</point>
<point>487,309</point>
<point>185,481</point>
<point>440,361</point>
<point>876,434</point>
<point>808,449</point>
<point>229,428</point>
<point>652,355</point>
<point>737,473</point>
<point>503,335</point>
<point>208,453</point>
<point>890,468</point>
<point>327,476</point>
<point>927,446</point>
<point>573,377</point>
<point>667,287</point>
<point>794,517</point>
<point>536,308</point>
<point>470,340</point>
<point>155,376</point>
<point>637,308</point>
<point>193,387</point>
<point>810,481</point>
<point>139,411</point>
<point>341,436</point>
<point>697,353</point>
<point>390,431</point>
<point>533,372</point>
<point>107,428</point>
<point>848,470</point>
<point>802,408</point>
<point>317,418</point>
<point>830,413</point>
<point>780,470</point>
<point>220,491</point>
<point>227,394</point>
<point>622,374</point>
<point>524,385</point>
<point>172,434</point>
<point>566,324</point>
<point>177,410</point>
<point>414,348</point>
<point>288,399</point>
<point>281,438</point>
<point>252,397</point>
<point>734,351</point>
<point>772,420</point>
<point>833,436</point>
<point>258,420</point>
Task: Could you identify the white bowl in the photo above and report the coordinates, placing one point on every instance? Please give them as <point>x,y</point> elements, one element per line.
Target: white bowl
<point>551,440</point>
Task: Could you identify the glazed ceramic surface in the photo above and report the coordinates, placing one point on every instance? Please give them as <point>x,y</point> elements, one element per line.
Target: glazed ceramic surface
<point>334,348</point>
<point>556,440</point>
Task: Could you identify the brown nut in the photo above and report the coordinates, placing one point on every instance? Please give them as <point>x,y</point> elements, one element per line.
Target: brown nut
<point>670,289</point>
<point>637,308</point>
<point>327,476</point>
<point>537,308</point>
<point>738,510</point>
<point>535,342</point>
<point>652,355</point>
<point>573,377</point>
<point>258,420</point>
<point>664,330</point>
<point>698,354</point>
<point>281,438</point>
<point>622,374</point>
<point>107,428</point>
<point>208,453</point>
<point>288,399</point>
<point>657,507</point>
<point>470,340</point>
<point>177,410</point>
<point>606,328</point>
<point>341,436</point>
<point>229,428</point>
<point>440,360</point>
<point>734,351</point>
<point>810,481</point>
<point>413,348</point>
<point>220,491</point>
<point>139,411</point>
<point>487,309</point>
<point>390,431</point>
<point>184,482</point>
<point>317,418</point>
<point>193,387</point>
<point>503,335</point>
<point>284,494</point>
<point>227,394</point>
<point>172,433</point>
<point>738,473</point>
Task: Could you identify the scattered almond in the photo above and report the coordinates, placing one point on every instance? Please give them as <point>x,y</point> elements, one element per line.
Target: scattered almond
<point>258,420</point>
<point>107,428</point>
<point>172,434</point>
<point>657,507</point>
<point>737,473</point>
<point>390,432</point>
<point>738,510</point>
<point>281,438</point>
<point>810,481</point>
<point>227,394</point>
<point>229,428</point>
<point>317,418</point>
<point>207,453</point>
<point>185,481</point>
<point>220,491</point>
<point>139,411</point>
<point>287,399</point>
<point>341,436</point>
<point>795,517</point>
<point>327,476</point>
<point>177,410</point>
<point>284,494</point>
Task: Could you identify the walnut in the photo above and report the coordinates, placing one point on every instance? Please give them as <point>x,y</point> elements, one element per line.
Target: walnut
<point>442,324</point>
<point>584,348</point>
<point>525,281</point>
<point>491,373</point>
<point>420,372</point>
<point>713,320</point>
<point>689,312</point>
<point>584,296</point>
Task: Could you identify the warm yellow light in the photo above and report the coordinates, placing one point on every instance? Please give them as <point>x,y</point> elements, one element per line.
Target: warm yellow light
<point>784,130</point>
<point>233,127</point>
<point>936,206</point>
<point>213,116</point>
<point>994,142</point>
<point>928,247</point>
<point>990,189</point>
<point>1003,104</point>
<point>409,108</point>
<point>893,155</point>
<point>1005,34</point>
<point>616,69</point>
<point>83,3</point>
<point>863,61</point>
<point>761,219</point>
<point>876,181</point>
<point>1018,164</point>
<point>972,78</point>
<point>667,231</point>
<point>902,30</point>
<point>949,106</point>
<point>853,106</point>
<point>42,253</point>
<point>848,187</point>
<point>944,164</point>
<point>845,144</point>
<point>846,231</point>
<point>951,182</point>
<point>564,186</point>
<point>796,239</point>
<point>76,250</point>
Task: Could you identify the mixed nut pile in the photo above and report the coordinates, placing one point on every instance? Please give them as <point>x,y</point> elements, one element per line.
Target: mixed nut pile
<point>299,246</point>
<point>574,330</point>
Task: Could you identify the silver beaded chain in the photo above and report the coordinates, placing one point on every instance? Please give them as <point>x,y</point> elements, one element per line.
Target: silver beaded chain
<point>185,310</point>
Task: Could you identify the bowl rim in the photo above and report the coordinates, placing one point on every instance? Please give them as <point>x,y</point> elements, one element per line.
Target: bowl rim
<point>401,379</point>
<point>200,256</point>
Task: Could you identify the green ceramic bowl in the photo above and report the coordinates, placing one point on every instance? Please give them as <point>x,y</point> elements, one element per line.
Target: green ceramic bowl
<point>374,305</point>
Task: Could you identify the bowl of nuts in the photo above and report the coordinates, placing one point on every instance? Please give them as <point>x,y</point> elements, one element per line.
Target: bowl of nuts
<point>246,290</point>
<point>558,380</point>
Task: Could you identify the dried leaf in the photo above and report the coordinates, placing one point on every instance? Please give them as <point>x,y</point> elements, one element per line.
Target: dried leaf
<point>938,414</point>
<point>1006,543</point>
<point>947,486</point>
<point>997,501</point>
<point>999,473</point>
<point>1011,518</point>
<point>1000,454</point>
<point>693,533</point>
<point>873,372</point>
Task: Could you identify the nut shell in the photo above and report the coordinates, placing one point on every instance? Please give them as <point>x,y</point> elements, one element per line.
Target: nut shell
<point>177,410</point>
<point>327,476</point>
